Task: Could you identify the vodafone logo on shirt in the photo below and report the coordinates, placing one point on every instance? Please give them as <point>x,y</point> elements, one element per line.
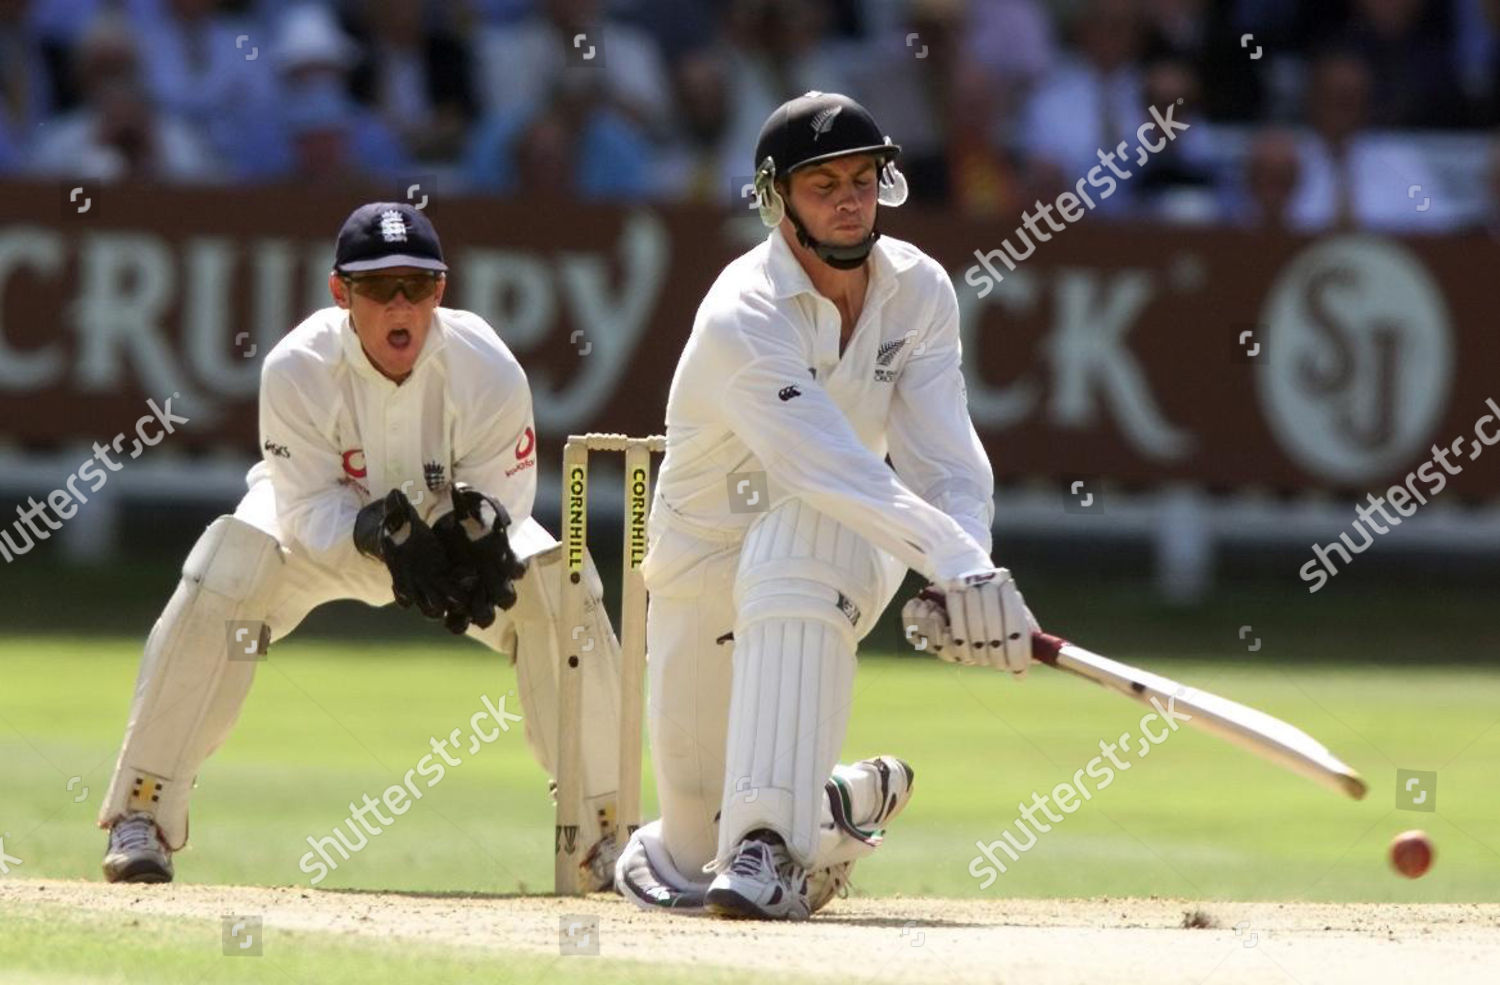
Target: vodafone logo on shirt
<point>526,445</point>
<point>524,448</point>
<point>354,463</point>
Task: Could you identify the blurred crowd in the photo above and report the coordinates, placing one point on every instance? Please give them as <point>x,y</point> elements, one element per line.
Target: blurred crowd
<point>1304,115</point>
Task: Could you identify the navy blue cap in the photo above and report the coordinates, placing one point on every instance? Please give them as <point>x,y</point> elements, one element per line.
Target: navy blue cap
<point>387,234</point>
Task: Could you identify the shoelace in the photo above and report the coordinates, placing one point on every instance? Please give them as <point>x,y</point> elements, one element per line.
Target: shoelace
<point>134,833</point>
<point>752,859</point>
<point>780,861</point>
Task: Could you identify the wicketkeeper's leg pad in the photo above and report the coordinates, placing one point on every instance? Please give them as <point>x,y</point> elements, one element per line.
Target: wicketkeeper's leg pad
<point>529,632</point>
<point>196,671</point>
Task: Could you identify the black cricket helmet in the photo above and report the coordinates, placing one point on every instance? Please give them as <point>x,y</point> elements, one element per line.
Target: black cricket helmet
<point>814,127</point>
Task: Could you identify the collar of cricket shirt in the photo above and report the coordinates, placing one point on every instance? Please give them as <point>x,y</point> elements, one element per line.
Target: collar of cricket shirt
<point>788,279</point>
<point>355,353</point>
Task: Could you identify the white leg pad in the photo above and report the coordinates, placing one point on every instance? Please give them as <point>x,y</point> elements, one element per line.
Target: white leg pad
<point>789,708</point>
<point>529,632</point>
<point>795,541</point>
<point>196,671</point>
<point>807,588</point>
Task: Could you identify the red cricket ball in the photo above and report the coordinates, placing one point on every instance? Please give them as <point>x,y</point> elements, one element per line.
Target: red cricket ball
<point>1411,853</point>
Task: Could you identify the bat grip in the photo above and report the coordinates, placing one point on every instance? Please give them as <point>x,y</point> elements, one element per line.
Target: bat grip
<point>1045,647</point>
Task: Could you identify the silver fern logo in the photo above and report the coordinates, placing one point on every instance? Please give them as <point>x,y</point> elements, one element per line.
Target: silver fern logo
<point>887,351</point>
<point>823,122</point>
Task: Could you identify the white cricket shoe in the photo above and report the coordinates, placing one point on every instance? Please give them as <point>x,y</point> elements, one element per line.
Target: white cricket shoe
<point>762,882</point>
<point>893,785</point>
<point>137,852</point>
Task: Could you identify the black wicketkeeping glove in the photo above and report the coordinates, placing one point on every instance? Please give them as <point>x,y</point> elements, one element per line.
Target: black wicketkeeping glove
<point>479,553</point>
<point>390,530</point>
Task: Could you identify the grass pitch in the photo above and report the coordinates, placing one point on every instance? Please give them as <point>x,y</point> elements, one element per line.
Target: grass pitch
<point>326,724</point>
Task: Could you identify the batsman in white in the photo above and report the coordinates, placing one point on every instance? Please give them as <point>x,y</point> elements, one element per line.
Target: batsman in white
<point>398,464</point>
<point>779,533</point>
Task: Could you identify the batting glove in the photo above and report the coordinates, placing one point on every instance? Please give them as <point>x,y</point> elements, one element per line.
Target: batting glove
<point>988,622</point>
<point>924,618</point>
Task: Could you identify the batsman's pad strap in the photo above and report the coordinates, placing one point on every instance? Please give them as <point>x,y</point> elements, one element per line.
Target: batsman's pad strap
<point>793,552</point>
<point>797,598</point>
<point>841,803</point>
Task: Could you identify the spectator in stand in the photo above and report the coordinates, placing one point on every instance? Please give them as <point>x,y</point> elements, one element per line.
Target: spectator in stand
<point>313,58</point>
<point>54,28</point>
<point>699,164</point>
<point>1409,48</point>
<point>1271,174</point>
<point>523,65</point>
<point>1352,178</point>
<point>116,133</point>
<point>1476,57</point>
<point>1094,99</point>
<point>578,144</point>
<point>1006,50</point>
<point>1177,28</point>
<point>777,49</point>
<point>26,97</point>
<point>1176,184</point>
<point>318,126</point>
<point>417,80</point>
<point>200,70</point>
<point>906,82</point>
<point>1488,223</point>
<point>678,27</point>
<point>498,13</point>
<point>1012,41</point>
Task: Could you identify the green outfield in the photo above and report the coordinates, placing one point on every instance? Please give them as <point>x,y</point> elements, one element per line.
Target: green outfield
<point>326,724</point>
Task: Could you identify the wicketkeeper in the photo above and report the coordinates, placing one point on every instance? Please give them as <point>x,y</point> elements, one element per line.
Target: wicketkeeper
<point>779,533</point>
<point>398,464</point>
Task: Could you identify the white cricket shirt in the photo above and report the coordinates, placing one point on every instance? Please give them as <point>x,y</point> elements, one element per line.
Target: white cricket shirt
<point>335,434</point>
<point>762,387</point>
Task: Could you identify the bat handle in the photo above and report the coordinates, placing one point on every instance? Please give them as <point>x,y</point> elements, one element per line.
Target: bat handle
<point>1045,647</point>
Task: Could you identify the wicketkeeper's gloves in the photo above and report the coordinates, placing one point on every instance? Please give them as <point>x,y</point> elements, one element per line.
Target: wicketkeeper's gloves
<point>480,555</point>
<point>390,530</point>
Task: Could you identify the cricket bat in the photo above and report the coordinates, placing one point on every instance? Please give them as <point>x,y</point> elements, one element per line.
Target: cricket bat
<point>1264,735</point>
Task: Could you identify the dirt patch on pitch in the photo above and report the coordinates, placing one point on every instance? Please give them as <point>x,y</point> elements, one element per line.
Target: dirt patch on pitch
<point>1038,942</point>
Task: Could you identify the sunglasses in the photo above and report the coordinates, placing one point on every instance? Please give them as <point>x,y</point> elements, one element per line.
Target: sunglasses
<point>381,288</point>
